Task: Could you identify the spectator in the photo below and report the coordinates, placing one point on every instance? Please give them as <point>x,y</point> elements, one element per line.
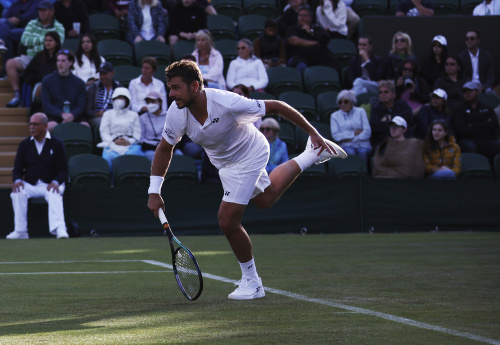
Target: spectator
<point>34,39</point>
<point>144,84</point>
<point>365,70</point>
<point>411,88</point>
<point>100,94</point>
<point>72,14</point>
<point>383,112</point>
<point>436,110</point>
<point>186,19</point>
<point>452,82</point>
<point>120,129</point>
<point>415,8</point>
<point>478,64</point>
<point>242,90</point>
<point>13,21</point>
<point>306,44</point>
<point>119,8</point>
<point>152,123</point>
<point>290,15</point>
<point>209,60</point>
<point>401,51</point>
<point>43,64</point>
<point>433,65</point>
<point>88,60</point>
<point>487,8</point>
<point>352,19</point>
<point>63,93</point>
<point>279,153</point>
<point>247,69</point>
<point>269,46</point>
<point>145,21</point>
<point>398,157</point>
<point>40,170</point>
<point>332,15</point>
<point>350,126</point>
<point>476,124</point>
<point>442,156</point>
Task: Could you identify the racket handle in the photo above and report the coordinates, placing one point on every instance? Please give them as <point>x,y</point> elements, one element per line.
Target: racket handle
<point>163,219</point>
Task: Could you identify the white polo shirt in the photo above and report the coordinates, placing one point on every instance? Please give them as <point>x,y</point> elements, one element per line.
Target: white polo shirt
<point>228,135</point>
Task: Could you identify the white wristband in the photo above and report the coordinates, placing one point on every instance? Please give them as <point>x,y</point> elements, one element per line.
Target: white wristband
<point>155,183</point>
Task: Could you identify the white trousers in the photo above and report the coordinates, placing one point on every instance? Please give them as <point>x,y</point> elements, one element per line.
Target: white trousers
<point>54,199</point>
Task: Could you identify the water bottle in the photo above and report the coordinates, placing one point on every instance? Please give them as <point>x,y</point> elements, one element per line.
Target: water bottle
<point>66,108</point>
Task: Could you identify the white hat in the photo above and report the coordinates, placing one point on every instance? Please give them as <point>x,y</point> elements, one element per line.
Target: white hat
<point>440,93</point>
<point>441,39</point>
<point>399,121</point>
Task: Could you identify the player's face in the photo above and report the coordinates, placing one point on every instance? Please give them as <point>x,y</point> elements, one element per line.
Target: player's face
<point>182,93</point>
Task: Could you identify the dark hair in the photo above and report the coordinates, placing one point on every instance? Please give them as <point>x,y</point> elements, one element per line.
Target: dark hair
<point>69,54</point>
<point>189,58</point>
<point>430,143</point>
<point>444,52</point>
<point>57,38</point>
<point>414,67</point>
<point>305,8</point>
<point>243,88</point>
<point>366,37</point>
<point>459,63</point>
<point>476,31</point>
<point>150,60</point>
<point>94,53</point>
<point>271,23</point>
<point>187,70</point>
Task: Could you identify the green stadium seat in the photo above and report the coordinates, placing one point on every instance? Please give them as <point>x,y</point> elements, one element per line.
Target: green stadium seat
<point>71,44</point>
<point>302,136</point>
<point>467,6</point>
<point>88,171</point>
<point>125,73</point>
<point>287,135</point>
<point>77,138</point>
<point>115,51</point>
<point>261,95</point>
<point>301,101</point>
<point>475,166</point>
<point>230,8</point>
<point>104,26</point>
<point>489,99</point>
<point>327,104</point>
<point>283,79</point>
<point>182,48</point>
<point>344,50</point>
<point>319,79</point>
<point>228,50</point>
<point>314,171</point>
<point>446,7</point>
<point>159,50</point>
<point>251,26</point>
<point>266,8</point>
<point>365,8</point>
<point>365,98</point>
<point>182,170</point>
<point>350,166</point>
<point>131,170</point>
<point>221,27</point>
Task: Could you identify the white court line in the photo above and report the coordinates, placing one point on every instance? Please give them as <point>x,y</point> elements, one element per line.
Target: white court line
<point>389,317</point>
<point>103,272</point>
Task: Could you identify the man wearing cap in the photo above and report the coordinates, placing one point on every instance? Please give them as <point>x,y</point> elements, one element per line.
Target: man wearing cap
<point>100,94</point>
<point>415,8</point>
<point>152,123</point>
<point>365,70</point>
<point>476,124</point>
<point>435,110</point>
<point>34,39</point>
<point>478,63</point>
<point>397,156</point>
<point>487,8</point>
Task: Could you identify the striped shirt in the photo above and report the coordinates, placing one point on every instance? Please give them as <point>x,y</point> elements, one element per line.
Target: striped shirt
<point>104,99</point>
<point>34,35</point>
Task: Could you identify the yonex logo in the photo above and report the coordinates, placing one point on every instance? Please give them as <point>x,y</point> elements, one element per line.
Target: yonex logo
<point>257,289</point>
<point>226,193</point>
<point>249,267</point>
<point>169,133</point>
<point>215,120</point>
<point>258,103</point>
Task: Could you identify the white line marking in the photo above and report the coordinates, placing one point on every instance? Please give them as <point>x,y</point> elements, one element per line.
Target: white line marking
<point>103,272</point>
<point>389,317</point>
<point>65,262</point>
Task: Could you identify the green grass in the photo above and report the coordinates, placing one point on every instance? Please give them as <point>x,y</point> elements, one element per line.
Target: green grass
<point>448,280</point>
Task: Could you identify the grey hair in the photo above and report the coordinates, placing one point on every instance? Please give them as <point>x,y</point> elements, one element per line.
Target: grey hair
<point>249,44</point>
<point>42,116</point>
<point>347,94</point>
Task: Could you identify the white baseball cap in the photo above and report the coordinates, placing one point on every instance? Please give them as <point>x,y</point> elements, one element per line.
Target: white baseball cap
<point>441,39</point>
<point>440,93</point>
<point>399,121</point>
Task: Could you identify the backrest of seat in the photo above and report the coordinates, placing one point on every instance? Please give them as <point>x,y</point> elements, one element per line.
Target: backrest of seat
<point>251,26</point>
<point>221,27</point>
<point>350,166</point>
<point>475,165</point>
<point>115,51</point>
<point>125,73</point>
<point>319,79</point>
<point>88,170</point>
<point>129,170</point>
<point>160,51</point>
<point>283,79</point>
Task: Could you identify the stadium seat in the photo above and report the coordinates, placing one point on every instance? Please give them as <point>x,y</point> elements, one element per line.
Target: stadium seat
<point>365,98</point>
<point>323,129</point>
<point>319,79</point>
<point>160,72</point>
<point>350,166</point>
<point>370,7</point>
<point>475,166</point>
<point>131,170</point>
<point>327,104</point>
<point>182,170</point>
<point>283,79</point>
<point>393,5</point>
<point>221,27</point>
<point>301,101</point>
<point>261,95</point>
<point>467,6</point>
<point>251,26</point>
<point>287,135</point>
<point>160,51</point>
<point>104,26</point>
<point>496,165</point>
<point>489,99</point>
<point>344,50</point>
<point>228,50</point>
<point>302,136</point>
<point>71,44</point>
<point>445,7</point>
<point>125,73</point>
<point>77,138</point>
<point>182,48</point>
<point>230,8</point>
<point>115,51</point>
<point>314,171</point>
<point>88,171</point>
<point>266,8</point>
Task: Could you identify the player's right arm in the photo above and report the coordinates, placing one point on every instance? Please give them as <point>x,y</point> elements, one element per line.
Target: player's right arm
<point>161,162</point>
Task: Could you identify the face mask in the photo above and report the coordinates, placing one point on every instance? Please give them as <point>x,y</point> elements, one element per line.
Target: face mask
<point>152,107</point>
<point>118,104</point>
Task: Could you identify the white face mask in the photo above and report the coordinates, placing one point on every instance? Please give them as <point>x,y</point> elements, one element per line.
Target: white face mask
<point>152,107</point>
<point>118,104</point>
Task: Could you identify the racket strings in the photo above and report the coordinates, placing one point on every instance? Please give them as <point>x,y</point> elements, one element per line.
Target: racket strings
<point>187,272</point>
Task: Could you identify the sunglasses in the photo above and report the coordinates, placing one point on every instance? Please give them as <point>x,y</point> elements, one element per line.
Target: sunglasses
<point>470,38</point>
<point>343,101</point>
<point>266,129</point>
<point>400,40</point>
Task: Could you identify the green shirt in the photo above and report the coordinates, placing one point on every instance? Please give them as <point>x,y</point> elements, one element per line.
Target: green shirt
<point>34,35</point>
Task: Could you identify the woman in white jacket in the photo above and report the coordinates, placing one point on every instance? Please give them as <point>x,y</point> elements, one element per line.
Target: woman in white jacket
<point>120,128</point>
<point>332,15</point>
<point>247,69</point>
<point>209,60</point>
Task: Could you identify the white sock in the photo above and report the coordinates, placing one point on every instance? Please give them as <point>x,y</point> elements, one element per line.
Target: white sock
<point>248,270</point>
<point>306,159</point>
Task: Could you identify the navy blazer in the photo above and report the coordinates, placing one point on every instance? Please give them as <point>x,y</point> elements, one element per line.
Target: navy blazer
<point>485,65</point>
<point>375,68</point>
<point>50,165</point>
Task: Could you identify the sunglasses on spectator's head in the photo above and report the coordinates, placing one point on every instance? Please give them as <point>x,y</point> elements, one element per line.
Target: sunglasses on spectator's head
<point>63,51</point>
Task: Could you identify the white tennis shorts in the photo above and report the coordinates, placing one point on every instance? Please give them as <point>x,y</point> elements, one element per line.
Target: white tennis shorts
<point>243,181</point>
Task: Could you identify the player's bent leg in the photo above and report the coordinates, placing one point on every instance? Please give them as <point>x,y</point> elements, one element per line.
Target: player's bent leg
<point>230,215</point>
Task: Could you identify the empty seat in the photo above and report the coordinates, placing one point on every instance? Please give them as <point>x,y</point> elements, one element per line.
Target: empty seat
<point>350,166</point>
<point>283,79</point>
<point>88,170</point>
<point>489,99</point>
<point>104,26</point>
<point>266,8</point>
<point>221,27</point>
<point>228,50</point>
<point>131,170</point>
<point>231,8</point>
<point>182,48</point>
<point>115,51</point>
<point>475,166</point>
<point>445,7</point>
<point>159,50</point>
<point>301,101</point>
<point>370,7</point>
<point>287,135</point>
<point>182,169</point>
<point>314,171</point>
<point>261,95</point>
<point>327,104</point>
<point>467,6</point>
<point>77,138</point>
<point>71,44</point>
<point>319,79</point>
<point>251,26</point>
<point>125,73</point>
<point>344,50</point>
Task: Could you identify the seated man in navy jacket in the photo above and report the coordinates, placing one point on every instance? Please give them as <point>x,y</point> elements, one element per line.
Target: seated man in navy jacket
<point>40,170</point>
<point>365,70</point>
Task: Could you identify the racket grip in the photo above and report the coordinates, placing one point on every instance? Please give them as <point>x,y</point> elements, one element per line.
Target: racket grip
<point>163,219</point>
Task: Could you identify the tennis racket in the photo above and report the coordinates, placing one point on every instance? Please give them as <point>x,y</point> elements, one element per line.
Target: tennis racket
<point>186,269</point>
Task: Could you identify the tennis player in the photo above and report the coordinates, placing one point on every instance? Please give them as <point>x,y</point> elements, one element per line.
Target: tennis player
<point>222,123</point>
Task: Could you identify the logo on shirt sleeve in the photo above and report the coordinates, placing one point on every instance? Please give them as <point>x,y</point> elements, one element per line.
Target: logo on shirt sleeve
<point>170,133</point>
<point>258,103</point>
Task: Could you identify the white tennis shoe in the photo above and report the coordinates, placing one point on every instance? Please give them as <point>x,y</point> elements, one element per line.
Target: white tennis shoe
<point>248,289</point>
<point>17,235</point>
<point>325,155</point>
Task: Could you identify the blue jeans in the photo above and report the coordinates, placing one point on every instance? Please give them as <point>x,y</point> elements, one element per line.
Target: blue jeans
<point>443,175</point>
<point>362,152</point>
<point>360,86</point>
<point>9,33</point>
<point>110,155</point>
